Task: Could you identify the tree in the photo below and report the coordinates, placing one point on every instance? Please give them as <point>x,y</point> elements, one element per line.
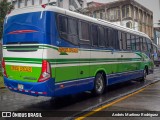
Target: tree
<point>5,7</point>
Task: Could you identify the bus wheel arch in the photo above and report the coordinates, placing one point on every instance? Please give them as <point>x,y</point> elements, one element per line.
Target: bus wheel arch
<point>99,83</point>
<point>146,68</point>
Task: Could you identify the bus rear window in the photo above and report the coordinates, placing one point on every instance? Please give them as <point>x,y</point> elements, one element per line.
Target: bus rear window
<point>25,28</point>
<point>34,20</point>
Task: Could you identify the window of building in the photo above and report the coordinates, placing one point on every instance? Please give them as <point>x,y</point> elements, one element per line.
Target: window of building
<point>117,13</point>
<point>94,15</point>
<point>136,13</point>
<point>21,3</point>
<point>129,24</point>
<point>140,15</point>
<point>126,11</point>
<point>123,12</point>
<point>40,1</point>
<point>111,14</point>
<point>29,2</point>
<point>114,14</point>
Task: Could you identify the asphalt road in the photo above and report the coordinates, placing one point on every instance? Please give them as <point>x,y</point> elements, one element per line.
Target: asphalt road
<point>68,106</point>
<point>136,105</point>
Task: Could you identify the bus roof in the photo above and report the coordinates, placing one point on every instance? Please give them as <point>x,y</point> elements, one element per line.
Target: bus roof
<point>76,15</point>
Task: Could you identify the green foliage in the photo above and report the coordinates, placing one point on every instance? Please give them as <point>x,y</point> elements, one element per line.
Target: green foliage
<point>5,7</point>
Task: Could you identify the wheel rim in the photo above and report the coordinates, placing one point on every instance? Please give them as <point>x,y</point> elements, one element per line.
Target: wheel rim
<point>99,84</point>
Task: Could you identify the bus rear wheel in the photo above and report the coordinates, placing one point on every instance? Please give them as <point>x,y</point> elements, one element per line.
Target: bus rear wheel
<point>99,85</point>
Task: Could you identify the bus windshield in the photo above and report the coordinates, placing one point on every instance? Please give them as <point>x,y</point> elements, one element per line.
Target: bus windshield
<point>15,27</point>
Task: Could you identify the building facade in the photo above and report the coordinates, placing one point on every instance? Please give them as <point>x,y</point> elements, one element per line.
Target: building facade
<point>24,3</point>
<point>155,7</point>
<point>128,13</point>
<point>66,4</point>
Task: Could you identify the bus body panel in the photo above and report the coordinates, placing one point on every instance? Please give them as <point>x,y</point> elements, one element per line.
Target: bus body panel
<point>34,89</point>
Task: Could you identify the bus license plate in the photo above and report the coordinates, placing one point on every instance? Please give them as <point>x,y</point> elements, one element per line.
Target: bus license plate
<point>20,86</point>
<point>21,68</point>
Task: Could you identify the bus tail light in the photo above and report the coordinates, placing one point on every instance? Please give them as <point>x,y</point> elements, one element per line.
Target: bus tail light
<point>46,71</point>
<point>4,68</point>
<point>43,6</point>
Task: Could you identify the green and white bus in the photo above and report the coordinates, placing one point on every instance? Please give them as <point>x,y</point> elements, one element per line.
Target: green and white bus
<point>50,51</point>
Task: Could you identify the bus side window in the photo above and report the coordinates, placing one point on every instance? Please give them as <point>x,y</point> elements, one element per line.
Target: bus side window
<point>101,37</point>
<point>120,40</point>
<point>106,38</point>
<point>133,43</point>
<point>144,45</point>
<point>115,40</point>
<point>84,32</point>
<point>141,43</point>
<point>128,41</point>
<point>148,44</point>
<point>94,35</point>
<point>110,38</point>
<point>73,31</point>
<point>137,43</point>
<point>150,48</point>
<point>124,42</point>
<point>62,25</point>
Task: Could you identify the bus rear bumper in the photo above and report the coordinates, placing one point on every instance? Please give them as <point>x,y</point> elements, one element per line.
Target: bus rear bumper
<point>34,89</point>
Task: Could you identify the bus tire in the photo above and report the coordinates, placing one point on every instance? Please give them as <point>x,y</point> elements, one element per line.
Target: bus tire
<point>144,75</point>
<point>99,84</point>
